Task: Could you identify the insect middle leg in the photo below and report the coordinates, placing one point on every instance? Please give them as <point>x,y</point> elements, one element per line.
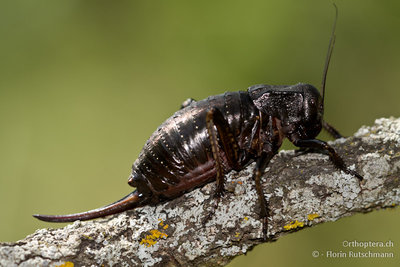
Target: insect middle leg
<point>217,126</point>
<point>261,164</point>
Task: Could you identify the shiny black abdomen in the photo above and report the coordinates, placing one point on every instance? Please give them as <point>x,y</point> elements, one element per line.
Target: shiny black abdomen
<point>177,157</point>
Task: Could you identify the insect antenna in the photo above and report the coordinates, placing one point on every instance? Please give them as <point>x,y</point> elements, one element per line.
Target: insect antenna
<point>329,54</point>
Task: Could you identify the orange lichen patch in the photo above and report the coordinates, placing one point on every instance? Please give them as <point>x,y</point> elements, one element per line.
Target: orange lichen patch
<point>293,225</point>
<point>312,216</point>
<point>239,182</point>
<point>66,264</point>
<point>151,240</point>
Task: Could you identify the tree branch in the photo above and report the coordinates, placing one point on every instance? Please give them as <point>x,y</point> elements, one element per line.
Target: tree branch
<point>302,190</point>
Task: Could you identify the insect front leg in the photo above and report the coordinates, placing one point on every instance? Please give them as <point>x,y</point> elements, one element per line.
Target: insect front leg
<point>334,157</point>
<point>331,131</point>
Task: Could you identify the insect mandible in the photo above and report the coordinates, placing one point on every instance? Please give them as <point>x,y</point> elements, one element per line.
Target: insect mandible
<point>206,139</point>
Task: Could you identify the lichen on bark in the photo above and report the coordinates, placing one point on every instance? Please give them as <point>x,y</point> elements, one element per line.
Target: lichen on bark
<point>302,190</point>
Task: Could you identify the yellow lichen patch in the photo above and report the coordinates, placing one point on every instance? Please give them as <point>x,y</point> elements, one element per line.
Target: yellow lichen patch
<point>293,225</point>
<point>161,223</point>
<point>148,242</point>
<point>246,218</point>
<point>151,240</point>
<point>237,234</point>
<point>312,216</point>
<point>158,234</point>
<point>66,264</point>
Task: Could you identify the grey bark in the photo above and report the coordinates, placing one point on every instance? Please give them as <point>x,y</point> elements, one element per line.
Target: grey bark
<point>302,191</point>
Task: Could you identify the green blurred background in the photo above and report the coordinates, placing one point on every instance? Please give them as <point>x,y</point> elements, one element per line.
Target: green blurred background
<point>83,84</point>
